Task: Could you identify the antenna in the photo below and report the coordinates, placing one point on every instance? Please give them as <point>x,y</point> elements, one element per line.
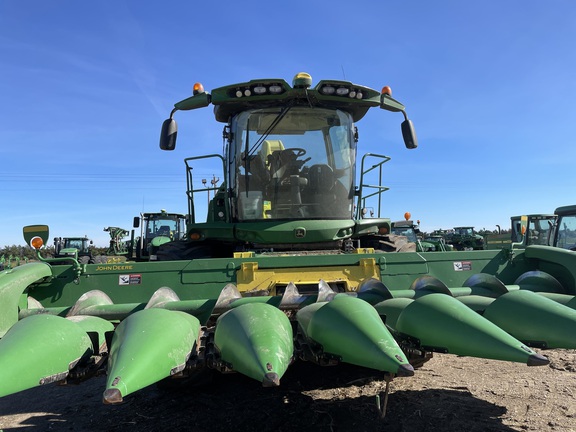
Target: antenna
<point>343,73</point>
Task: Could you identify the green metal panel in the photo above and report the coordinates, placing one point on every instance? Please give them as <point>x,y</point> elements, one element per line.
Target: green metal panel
<point>204,278</point>
<point>559,262</point>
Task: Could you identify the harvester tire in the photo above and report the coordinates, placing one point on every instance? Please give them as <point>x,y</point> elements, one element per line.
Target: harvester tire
<point>182,250</point>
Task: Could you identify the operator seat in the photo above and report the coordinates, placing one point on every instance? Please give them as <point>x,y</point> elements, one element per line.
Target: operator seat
<point>270,154</point>
<point>268,147</point>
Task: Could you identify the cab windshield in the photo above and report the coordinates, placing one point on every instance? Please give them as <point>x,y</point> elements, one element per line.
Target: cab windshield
<point>292,163</point>
<point>566,233</point>
<point>79,244</point>
<point>538,232</point>
<point>164,226</point>
<point>466,231</point>
<point>406,231</point>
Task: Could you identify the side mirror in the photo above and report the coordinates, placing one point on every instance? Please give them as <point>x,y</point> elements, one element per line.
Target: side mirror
<point>136,223</point>
<point>168,134</point>
<point>409,134</point>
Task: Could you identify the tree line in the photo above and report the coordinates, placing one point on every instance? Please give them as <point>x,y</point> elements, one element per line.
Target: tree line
<point>26,253</point>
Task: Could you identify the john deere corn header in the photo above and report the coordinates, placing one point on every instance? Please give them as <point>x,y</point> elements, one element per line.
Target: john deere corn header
<point>285,268</point>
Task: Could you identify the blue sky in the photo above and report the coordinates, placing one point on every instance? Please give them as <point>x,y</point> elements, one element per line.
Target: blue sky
<point>84,88</point>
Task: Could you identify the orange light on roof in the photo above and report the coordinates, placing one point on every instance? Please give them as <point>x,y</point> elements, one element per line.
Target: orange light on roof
<point>198,88</point>
<point>36,242</point>
<point>387,90</point>
<point>407,215</point>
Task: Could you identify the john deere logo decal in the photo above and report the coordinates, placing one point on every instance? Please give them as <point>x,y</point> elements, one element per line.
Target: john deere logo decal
<point>300,232</point>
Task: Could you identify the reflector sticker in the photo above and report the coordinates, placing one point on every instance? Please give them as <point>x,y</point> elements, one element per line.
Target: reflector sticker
<point>462,265</point>
<point>132,279</point>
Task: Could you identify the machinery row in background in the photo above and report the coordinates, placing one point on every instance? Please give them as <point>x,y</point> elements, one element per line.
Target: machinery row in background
<point>557,229</point>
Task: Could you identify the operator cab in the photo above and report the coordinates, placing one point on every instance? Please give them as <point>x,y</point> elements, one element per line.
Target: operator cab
<point>292,163</point>
<point>288,165</point>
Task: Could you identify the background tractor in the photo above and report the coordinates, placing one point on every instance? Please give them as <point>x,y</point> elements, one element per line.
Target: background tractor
<point>411,231</point>
<point>464,238</point>
<point>155,230</point>
<point>526,230</point>
<point>79,248</point>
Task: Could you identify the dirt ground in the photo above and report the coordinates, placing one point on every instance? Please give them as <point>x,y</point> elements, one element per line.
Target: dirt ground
<point>448,393</point>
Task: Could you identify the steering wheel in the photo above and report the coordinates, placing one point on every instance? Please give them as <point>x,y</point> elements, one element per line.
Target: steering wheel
<point>297,151</point>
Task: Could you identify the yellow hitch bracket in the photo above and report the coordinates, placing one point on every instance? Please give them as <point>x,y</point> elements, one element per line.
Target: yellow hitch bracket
<point>368,265</point>
<point>248,271</point>
<point>243,254</point>
<point>251,279</point>
<point>365,251</point>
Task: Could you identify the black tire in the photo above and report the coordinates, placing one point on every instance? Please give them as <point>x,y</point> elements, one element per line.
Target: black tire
<point>183,250</point>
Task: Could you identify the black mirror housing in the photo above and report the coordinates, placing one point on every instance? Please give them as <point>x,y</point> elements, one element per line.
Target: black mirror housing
<point>168,134</point>
<point>409,134</point>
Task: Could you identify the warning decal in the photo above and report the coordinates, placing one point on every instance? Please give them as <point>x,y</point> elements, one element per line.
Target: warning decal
<point>462,265</point>
<point>131,279</point>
